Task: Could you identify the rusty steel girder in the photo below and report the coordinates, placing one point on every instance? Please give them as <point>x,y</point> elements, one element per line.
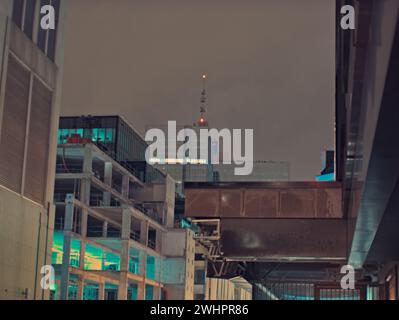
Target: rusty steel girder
<point>264,200</point>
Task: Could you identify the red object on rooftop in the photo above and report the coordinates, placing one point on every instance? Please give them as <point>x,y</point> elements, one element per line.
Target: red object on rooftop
<point>77,139</point>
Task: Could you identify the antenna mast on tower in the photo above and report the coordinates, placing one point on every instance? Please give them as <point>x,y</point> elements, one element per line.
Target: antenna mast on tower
<point>202,120</point>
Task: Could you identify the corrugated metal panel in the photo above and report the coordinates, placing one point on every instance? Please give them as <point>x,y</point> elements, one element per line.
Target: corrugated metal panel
<point>13,129</point>
<point>261,203</point>
<point>203,202</point>
<point>38,142</point>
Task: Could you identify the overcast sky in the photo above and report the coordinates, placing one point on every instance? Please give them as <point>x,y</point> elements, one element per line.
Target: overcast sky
<point>270,65</point>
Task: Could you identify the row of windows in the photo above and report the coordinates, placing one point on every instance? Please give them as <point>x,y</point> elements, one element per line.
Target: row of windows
<point>26,15</point>
<point>103,135</point>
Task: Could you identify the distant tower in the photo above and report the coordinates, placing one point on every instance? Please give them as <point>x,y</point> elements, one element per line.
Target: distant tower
<point>202,122</point>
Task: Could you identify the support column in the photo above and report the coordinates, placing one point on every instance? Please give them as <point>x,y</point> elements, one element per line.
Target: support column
<point>125,186</point>
<point>101,291</point>
<point>144,232</point>
<point>125,239</point>
<point>143,272</point>
<point>80,288</point>
<point>87,169</point>
<point>83,232</point>
<point>108,182</point>
<point>141,291</point>
<point>105,229</point>
<point>69,209</point>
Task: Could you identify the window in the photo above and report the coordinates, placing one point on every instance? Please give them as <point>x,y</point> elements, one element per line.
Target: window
<point>17,12</point>
<point>149,292</point>
<point>27,16</point>
<point>30,8</point>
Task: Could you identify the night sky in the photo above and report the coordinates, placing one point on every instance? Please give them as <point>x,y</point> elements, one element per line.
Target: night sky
<point>270,64</point>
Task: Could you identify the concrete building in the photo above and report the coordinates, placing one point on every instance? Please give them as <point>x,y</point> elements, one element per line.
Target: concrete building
<point>116,227</point>
<point>31,69</point>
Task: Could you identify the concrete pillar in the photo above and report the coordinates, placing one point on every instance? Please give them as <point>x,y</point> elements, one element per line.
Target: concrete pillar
<point>69,209</point>
<point>106,199</point>
<point>83,232</point>
<point>80,288</point>
<point>85,183</point>
<point>157,293</point>
<point>101,291</point>
<point>125,186</point>
<point>105,229</point>
<point>108,182</point>
<point>125,238</point>
<point>108,173</point>
<point>144,232</point>
<point>141,291</point>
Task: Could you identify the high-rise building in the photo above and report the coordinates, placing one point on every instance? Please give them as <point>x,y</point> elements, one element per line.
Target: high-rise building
<point>31,70</point>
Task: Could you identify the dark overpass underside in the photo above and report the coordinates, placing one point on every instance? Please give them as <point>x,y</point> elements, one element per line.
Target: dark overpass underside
<point>295,229</point>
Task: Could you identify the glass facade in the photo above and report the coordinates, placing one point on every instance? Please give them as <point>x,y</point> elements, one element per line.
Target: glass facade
<point>96,258</point>
<point>58,246</point>
<point>113,136</point>
<point>154,268</point>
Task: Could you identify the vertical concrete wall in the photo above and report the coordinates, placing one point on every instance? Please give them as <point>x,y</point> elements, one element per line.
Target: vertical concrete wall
<point>25,226</point>
<point>22,240</point>
<point>5,9</point>
<point>180,243</point>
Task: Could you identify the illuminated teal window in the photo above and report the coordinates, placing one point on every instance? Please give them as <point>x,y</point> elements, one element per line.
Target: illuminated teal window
<point>132,292</point>
<point>149,292</point>
<point>109,137</point>
<point>91,291</point>
<point>112,261</point>
<point>134,261</point>
<point>150,274</point>
<point>101,135</point>
<point>94,134</point>
<point>58,250</point>
<point>63,135</point>
<point>73,292</point>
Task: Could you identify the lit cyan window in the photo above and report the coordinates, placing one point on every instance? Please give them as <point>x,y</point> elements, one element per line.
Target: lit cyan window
<point>150,272</point>
<point>101,135</point>
<point>134,261</point>
<point>93,258</point>
<point>149,292</point>
<point>58,247</point>
<point>112,261</point>
<point>94,135</point>
<point>90,291</point>
<point>132,292</point>
<point>109,137</point>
